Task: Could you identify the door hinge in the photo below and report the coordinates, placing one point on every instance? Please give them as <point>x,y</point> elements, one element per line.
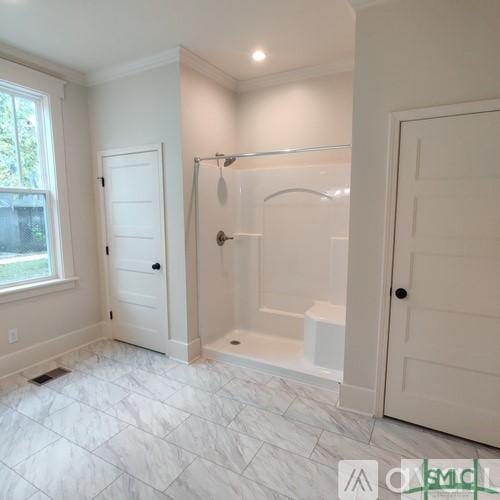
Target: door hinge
<point>110,314</point>
<point>102,181</point>
<point>107,250</point>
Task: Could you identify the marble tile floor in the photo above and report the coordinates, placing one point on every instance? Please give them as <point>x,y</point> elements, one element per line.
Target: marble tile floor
<point>131,424</point>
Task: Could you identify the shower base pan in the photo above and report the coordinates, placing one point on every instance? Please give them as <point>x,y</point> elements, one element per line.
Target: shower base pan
<point>271,354</point>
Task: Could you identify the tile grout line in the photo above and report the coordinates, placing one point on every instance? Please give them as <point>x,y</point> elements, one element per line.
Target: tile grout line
<point>106,487</point>
<point>179,447</point>
<point>39,491</point>
<point>164,438</point>
<point>209,460</point>
<point>41,425</point>
<point>261,483</point>
<point>316,445</point>
<point>233,398</point>
<point>236,416</point>
<point>298,424</point>
<point>7,405</point>
<point>22,477</point>
<point>262,441</point>
<point>373,430</point>
<point>291,403</point>
<point>66,439</point>
<point>105,442</point>
<point>253,458</point>
<point>196,455</point>
<point>127,472</point>
<point>128,425</point>
<point>32,455</point>
<point>96,410</point>
<point>73,443</point>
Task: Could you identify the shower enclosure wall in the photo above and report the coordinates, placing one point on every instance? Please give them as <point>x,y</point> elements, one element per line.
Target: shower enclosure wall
<point>290,228</point>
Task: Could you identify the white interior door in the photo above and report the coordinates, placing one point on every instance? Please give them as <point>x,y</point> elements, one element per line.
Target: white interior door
<point>444,340</point>
<point>135,237</point>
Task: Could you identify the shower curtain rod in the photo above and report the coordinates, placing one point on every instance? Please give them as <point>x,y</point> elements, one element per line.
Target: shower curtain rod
<point>274,152</point>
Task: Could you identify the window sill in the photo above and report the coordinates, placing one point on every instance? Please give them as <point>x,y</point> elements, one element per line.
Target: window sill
<point>26,291</point>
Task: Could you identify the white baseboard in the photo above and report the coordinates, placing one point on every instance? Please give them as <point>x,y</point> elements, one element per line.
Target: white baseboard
<point>357,399</point>
<point>185,352</point>
<point>43,351</point>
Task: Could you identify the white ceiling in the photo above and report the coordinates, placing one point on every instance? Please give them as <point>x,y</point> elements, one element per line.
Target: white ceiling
<point>90,35</point>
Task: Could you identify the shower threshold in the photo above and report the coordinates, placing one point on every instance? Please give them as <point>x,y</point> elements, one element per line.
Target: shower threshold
<point>276,355</point>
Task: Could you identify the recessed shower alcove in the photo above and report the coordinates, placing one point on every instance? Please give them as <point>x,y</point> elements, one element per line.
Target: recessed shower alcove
<point>287,261</point>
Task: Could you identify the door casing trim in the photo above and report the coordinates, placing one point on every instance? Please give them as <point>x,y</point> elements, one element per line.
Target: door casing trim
<point>395,121</point>
<point>99,193</point>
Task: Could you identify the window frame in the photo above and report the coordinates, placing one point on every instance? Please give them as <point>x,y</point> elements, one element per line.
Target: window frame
<point>48,92</point>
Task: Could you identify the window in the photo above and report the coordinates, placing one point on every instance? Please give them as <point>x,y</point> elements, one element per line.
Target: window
<point>25,240</point>
<point>35,246</point>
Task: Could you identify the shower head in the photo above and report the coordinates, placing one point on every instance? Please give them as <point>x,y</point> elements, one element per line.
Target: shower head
<point>229,161</point>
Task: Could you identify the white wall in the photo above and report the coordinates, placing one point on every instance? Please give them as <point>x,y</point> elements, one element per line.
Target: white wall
<point>306,113</point>
<point>208,126</point>
<point>146,109</point>
<point>409,54</point>
<point>46,318</point>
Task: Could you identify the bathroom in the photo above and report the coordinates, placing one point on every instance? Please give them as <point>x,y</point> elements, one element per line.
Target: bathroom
<point>272,296</point>
<point>246,244</point>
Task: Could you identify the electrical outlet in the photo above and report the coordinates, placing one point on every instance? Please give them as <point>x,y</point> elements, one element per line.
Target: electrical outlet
<point>12,334</point>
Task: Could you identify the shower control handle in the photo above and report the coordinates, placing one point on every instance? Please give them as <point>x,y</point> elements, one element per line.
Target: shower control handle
<point>222,237</point>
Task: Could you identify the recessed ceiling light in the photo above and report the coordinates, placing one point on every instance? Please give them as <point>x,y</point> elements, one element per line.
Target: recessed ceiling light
<point>259,55</point>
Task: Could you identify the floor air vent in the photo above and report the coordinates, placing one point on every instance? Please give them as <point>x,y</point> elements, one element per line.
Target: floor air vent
<point>47,377</point>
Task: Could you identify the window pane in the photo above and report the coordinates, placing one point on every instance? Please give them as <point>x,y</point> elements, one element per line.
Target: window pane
<point>29,150</point>
<point>23,238</point>
<point>9,167</point>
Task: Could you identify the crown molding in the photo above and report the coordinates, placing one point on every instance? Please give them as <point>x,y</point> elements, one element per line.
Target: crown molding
<point>361,4</point>
<point>202,66</point>
<point>295,75</point>
<point>195,62</point>
<point>177,54</point>
<point>133,67</point>
<point>41,64</point>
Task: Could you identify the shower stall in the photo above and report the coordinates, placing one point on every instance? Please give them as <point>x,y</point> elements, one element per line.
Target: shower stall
<point>272,261</point>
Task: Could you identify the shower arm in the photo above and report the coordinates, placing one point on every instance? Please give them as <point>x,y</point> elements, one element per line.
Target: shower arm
<point>233,157</point>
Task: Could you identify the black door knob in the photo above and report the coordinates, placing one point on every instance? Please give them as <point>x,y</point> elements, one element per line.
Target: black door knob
<point>156,266</point>
<point>401,293</point>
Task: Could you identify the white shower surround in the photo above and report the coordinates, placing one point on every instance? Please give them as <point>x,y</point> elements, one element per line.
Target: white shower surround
<point>291,226</point>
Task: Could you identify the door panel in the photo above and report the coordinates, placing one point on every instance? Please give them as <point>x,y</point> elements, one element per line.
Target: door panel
<point>452,283</point>
<point>444,343</point>
<point>134,208</point>
<point>438,336</point>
